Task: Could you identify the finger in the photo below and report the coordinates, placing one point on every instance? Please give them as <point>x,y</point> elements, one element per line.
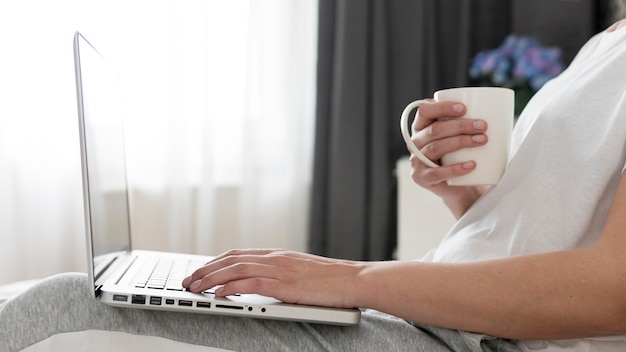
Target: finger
<point>436,149</point>
<point>270,257</point>
<point>238,253</point>
<point>449,128</point>
<point>236,272</point>
<point>222,261</point>
<point>432,111</point>
<point>453,128</point>
<point>250,251</point>
<point>269,253</point>
<point>430,177</point>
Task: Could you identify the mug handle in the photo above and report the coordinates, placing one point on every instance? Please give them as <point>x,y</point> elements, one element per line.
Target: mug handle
<point>407,136</point>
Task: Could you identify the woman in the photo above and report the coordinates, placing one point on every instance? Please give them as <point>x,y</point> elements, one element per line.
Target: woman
<point>536,262</point>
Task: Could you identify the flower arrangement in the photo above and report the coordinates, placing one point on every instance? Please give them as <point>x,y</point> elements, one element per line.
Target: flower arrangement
<point>520,63</point>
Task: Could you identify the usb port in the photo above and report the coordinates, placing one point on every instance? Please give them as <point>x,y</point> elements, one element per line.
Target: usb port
<point>203,304</point>
<point>155,301</point>
<point>185,303</point>
<point>169,301</point>
<point>139,299</point>
<point>120,298</point>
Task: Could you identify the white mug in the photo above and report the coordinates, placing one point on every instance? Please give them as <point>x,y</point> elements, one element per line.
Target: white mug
<point>495,105</point>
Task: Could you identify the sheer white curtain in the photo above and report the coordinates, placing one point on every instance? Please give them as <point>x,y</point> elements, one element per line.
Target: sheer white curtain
<point>219,104</point>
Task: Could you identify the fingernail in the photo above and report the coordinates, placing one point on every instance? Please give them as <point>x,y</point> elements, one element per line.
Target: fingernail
<point>479,124</point>
<point>457,107</point>
<point>479,138</point>
<point>195,285</point>
<point>468,165</point>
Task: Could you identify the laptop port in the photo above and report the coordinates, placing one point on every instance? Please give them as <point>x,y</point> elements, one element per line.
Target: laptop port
<point>203,304</point>
<point>228,306</point>
<point>120,298</point>
<point>155,301</point>
<point>139,299</point>
<point>185,303</point>
<point>169,301</point>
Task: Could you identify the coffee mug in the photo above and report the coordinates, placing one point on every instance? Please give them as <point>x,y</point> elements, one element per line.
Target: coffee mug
<point>495,105</point>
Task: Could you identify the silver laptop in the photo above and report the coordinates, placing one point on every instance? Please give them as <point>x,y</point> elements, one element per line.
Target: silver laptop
<point>130,278</point>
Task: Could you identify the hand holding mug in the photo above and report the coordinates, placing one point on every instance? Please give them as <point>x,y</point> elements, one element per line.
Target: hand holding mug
<point>493,106</point>
<point>437,131</point>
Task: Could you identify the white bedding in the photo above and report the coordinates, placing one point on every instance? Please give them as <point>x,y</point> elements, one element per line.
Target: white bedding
<point>107,341</point>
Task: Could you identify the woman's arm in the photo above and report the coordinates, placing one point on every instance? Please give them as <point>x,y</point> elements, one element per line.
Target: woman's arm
<point>556,295</point>
<point>565,294</point>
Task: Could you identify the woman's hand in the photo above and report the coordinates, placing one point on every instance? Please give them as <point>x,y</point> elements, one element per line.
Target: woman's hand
<point>437,131</point>
<point>288,276</point>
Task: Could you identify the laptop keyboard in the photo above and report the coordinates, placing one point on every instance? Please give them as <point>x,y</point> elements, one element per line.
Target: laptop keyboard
<point>165,273</point>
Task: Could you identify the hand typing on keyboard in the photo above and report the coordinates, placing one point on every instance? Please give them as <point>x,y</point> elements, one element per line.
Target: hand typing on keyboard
<point>291,277</point>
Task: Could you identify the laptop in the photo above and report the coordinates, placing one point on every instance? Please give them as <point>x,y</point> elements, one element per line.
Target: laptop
<point>123,277</point>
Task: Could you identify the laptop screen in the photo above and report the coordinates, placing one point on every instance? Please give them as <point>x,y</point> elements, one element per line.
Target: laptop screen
<point>102,154</point>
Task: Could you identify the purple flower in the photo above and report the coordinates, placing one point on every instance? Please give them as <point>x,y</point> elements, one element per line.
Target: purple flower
<point>518,61</point>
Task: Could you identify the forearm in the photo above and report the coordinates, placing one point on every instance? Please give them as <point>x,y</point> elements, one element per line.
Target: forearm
<point>550,296</point>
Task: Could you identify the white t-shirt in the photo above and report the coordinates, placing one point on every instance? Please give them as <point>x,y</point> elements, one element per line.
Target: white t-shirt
<point>568,154</point>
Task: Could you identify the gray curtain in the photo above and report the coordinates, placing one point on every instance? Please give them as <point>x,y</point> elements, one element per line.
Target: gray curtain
<point>376,56</point>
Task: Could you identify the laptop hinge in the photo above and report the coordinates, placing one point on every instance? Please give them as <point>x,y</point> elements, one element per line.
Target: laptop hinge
<point>98,290</point>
